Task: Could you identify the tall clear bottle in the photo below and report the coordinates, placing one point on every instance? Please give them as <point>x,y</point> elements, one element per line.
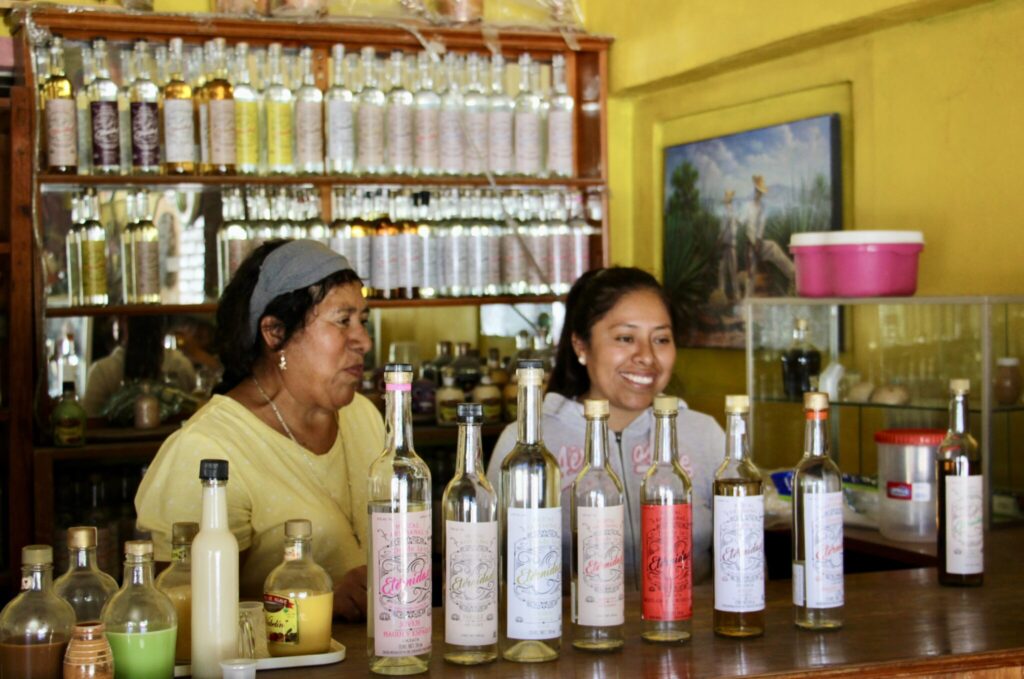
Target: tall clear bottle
<point>598,549</point>
<point>176,582</point>
<point>400,114</point>
<point>247,115</point>
<point>561,160</point>
<point>450,122</point>
<point>399,551</point>
<point>370,118</point>
<point>141,622</point>
<point>94,252</point>
<point>58,102</point>
<point>340,106</point>
<point>529,132</point>
<point>128,261</point>
<point>470,507</point>
<point>73,253</point>
<point>279,103</point>
<point>36,625</point>
<point>179,116</point>
<point>144,105</point>
<point>961,505</point>
<point>214,577</point>
<point>309,119</point>
<point>83,110</point>
<point>219,98</point>
<point>738,533</point>
<point>84,585</point>
<point>666,524</point>
<point>817,525</point>
<point>475,117</point>
<point>298,597</point>
<point>531,525</point>
<point>103,111</point>
<point>428,108</point>
<point>500,119</point>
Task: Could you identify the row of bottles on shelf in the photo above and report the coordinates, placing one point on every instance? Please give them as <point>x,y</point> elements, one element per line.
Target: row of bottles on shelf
<point>223,110</point>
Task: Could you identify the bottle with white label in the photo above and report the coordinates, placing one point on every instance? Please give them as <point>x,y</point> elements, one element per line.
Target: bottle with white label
<point>219,97</point>
<point>341,141</point>
<point>528,123</point>
<point>428,106</point>
<point>738,533</point>
<point>93,240</point>
<point>400,114</point>
<point>666,522</point>
<point>247,115</point>
<point>58,102</point>
<point>309,119</point>
<point>817,525</point>
<point>450,125</point>
<point>398,616</point>
<point>475,117</point>
<point>144,107</point>
<point>370,118</point>
<point>470,508</point>
<point>531,533</point>
<point>179,116</point>
<point>298,597</point>
<point>500,157</point>
<point>598,551</point>
<point>561,123</point>
<point>106,122</point>
<point>146,250</point>
<point>214,577</point>
<point>279,104</point>
<point>961,508</point>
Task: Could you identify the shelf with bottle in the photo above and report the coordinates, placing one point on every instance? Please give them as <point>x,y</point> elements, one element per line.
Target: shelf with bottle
<point>182,182</point>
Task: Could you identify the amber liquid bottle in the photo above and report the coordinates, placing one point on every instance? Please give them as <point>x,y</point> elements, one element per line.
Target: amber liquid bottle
<point>961,512</point>
<point>60,115</point>
<point>178,117</point>
<point>219,97</point>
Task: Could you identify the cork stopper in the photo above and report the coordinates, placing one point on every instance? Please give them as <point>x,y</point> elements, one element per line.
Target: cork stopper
<point>298,528</point>
<point>595,408</point>
<point>36,555</point>
<point>183,532</point>
<point>82,537</point>
<point>737,403</point>
<point>138,548</point>
<point>815,400</point>
<point>665,404</point>
<point>530,372</point>
<point>398,373</point>
<point>960,386</point>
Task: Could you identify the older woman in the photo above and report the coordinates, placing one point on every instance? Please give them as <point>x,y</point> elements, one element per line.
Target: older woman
<point>287,417</point>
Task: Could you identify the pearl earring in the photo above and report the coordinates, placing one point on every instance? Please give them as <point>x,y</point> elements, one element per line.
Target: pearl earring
<point>282,362</point>
<point>582,359</point>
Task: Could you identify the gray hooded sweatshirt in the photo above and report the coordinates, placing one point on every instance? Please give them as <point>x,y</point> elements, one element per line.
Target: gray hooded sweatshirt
<point>701,445</point>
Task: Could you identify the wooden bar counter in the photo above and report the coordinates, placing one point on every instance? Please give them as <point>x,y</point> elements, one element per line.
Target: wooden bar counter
<point>897,622</point>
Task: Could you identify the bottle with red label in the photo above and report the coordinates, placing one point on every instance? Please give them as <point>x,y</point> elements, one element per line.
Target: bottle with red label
<point>961,507</point>
<point>398,616</point>
<point>598,552</point>
<point>817,525</point>
<point>666,532</point>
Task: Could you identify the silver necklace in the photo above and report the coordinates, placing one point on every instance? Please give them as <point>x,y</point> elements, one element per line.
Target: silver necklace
<point>273,406</point>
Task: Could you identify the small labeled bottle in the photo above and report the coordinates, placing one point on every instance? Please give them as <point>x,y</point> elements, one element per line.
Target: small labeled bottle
<point>738,532</point>
<point>398,556</point>
<point>598,549</point>
<point>58,102</point>
<point>801,363</point>
<point>817,525</point>
<point>298,597</point>
<point>106,130</point>
<point>340,107</point>
<point>144,107</point>
<point>961,506</point>
<point>179,116</point>
<point>470,507</point>
<point>666,524</point>
<point>68,419</point>
<point>370,118</point>
<point>176,582</point>
<point>36,625</point>
<point>219,98</point>
<point>141,623</point>
<point>84,585</point>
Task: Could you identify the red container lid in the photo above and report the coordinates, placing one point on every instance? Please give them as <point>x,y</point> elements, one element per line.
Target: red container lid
<point>910,437</point>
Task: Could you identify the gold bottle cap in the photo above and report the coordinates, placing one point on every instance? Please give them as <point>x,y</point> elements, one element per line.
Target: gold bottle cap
<point>36,555</point>
<point>138,548</point>
<point>183,532</point>
<point>298,528</point>
<point>595,407</point>
<point>815,400</point>
<point>82,537</point>
<point>737,403</point>
<point>664,404</point>
<point>960,386</point>
<point>398,373</point>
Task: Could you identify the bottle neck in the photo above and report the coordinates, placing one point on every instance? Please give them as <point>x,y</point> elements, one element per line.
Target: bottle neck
<point>524,78</point>
<point>297,549</point>
<point>83,559</point>
<point>56,63</point>
<point>597,442</point>
<point>138,571</point>
<point>338,72</point>
<point>958,418</point>
<point>736,436</point>
<point>816,433</point>
<point>398,418</point>
<point>181,553</point>
<point>469,459</point>
<point>558,80</point>
<point>36,578</point>
<point>215,505</point>
<point>529,407</point>
<point>665,438</point>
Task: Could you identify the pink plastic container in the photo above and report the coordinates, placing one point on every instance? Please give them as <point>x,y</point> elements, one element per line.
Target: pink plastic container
<point>856,263</point>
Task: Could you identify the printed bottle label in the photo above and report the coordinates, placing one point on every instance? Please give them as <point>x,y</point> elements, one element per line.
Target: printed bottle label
<point>399,138</point>
<point>179,130</point>
<point>527,143</point>
<point>471,589</point>
<point>476,141</point>
<point>340,131</point>
<point>309,133</point>
<point>823,542</point>
<point>400,547</point>
<point>147,268</point>
<point>371,137</point>
<point>279,135</point>
<point>204,132</point>
<point>534,573</point>
<point>247,151</point>
<point>145,116</point>
<point>965,524</point>
<point>600,575</point>
<point>94,268</point>
<point>451,140</point>
<point>106,135</point>
<point>499,142</point>
<point>427,152</point>
<point>560,143</point>
<point>282,617</point>
<point>384,272</point>
<point>222,132</point>
<point>667,536</point>
<point>61,136</point>
<point>739,553</point>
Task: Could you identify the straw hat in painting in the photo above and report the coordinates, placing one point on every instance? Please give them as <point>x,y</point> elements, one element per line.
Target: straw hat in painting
<point>759,184</point>
<point>729,195</point>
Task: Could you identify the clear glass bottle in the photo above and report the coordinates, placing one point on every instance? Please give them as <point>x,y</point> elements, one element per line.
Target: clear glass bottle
<point>476,107</point>
<point>817,525</point>
<point>561,123</point>
<point>450,120</point>
<point>309,119</point>
<point>298,597</point>
<point>179,116</point>
<point>36,625</point>
<point>384,248</point>
<point>68,419</point>
<point>219,97</point>
<point>141,622</point>
<point>199,66</point>
<point>470,506</point>
<point>279,103</point>
<point>529,499</point>
<point>529,160</point>
<point>103,111</point>
<point>84,585</point>
<point>94,252</point>
<point>500,155</point>
<point>146,253</point>
<point>232,238</point>
<point>124,111</point>
<point>247,115</point>
<point>176,582</point>
<point>340,102</point>
<point>144,104</point>
<point>58,102</point>
<point>598,548</point>
<point>73,253</point>
<point>801,363</point>
<point>666,522</point>
<point>399,551</point>
<point>370,113</point>
<point>961,502</point>
<point>400,114</point>
<point>128,261</point>
<point>738,533</point>
<point>428,107</point>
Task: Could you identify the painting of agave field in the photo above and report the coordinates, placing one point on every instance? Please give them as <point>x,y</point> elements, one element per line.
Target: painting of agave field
<point>731,205</point>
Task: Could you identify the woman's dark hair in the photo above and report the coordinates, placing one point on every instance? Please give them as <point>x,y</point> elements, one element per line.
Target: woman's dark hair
<point>237,350</point>
<point>144,348</point>
<point>591,297</point>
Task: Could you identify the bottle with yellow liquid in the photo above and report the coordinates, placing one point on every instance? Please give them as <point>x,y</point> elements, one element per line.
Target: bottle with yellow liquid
<point>247,115</point>
<point>280,104</point>
<point>59,111</point>
<point>298,597</point>
<point>219,98</point>
<point>178,116</point>
<point>176,582</point>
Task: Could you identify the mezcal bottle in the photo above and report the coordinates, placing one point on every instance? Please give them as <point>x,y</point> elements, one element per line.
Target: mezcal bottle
<point>428,106</point>
<point>370,118</point>
<point>598,551</point>
<point>106,134</point>
<point>474,118</point>
<point>470,508</point>
<point>961,511</point>
<point>144,106</point>
<point>450,123</point>
<point>561,123</point>
<point>84,585</point>
<point>817,525</point>
<point>179,116</point>
<point>500,155</point>
<point>399,119</point>
<point>531,527</point>
<point>146,250</point>
<point>279,104</point>
<point>219,97</point>
<point>528,119</point>
<point>341,140</point>
<point>93,239</point>
<point>247,115</point>
<point>73,252</point>
<point>399,550</point>
<point>309,119</point>
<point>58,102</point>
<point>298,597</point>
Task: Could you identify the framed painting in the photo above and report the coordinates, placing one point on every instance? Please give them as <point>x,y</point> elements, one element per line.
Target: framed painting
<point>731,205</point>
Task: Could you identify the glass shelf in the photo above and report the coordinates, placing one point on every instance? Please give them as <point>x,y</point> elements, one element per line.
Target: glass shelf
<point>65,181</point>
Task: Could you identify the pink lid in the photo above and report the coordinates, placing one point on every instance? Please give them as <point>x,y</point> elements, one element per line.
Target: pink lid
<point>910,437</point>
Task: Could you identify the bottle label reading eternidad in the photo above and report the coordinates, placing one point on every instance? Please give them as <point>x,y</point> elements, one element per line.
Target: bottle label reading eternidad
<point>823,560</point>
<point>600,581</point>
<point>534,573</point>
<point>340,130</point>
<point>401,583</point>
<point>471,590</point>
<point>667,534</point>
<point>739,553</point>
<point>965,524</point>
<point>282,615</point>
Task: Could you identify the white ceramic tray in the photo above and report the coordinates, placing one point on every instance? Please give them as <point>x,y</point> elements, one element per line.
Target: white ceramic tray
<point>336,654</point>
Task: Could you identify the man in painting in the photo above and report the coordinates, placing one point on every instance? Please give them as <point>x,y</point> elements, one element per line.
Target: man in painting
<point>728,270</point>
<point>760,250</point>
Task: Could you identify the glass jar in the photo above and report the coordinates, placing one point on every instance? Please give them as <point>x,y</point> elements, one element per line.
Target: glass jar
<point>298,597</point>
<point>84,585</point>
<point>1007,383</point>
<point>89,655</point>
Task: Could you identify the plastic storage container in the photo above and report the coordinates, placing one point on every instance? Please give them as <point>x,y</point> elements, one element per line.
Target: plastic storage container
<point>906,483</point>
<point>856,263</point>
